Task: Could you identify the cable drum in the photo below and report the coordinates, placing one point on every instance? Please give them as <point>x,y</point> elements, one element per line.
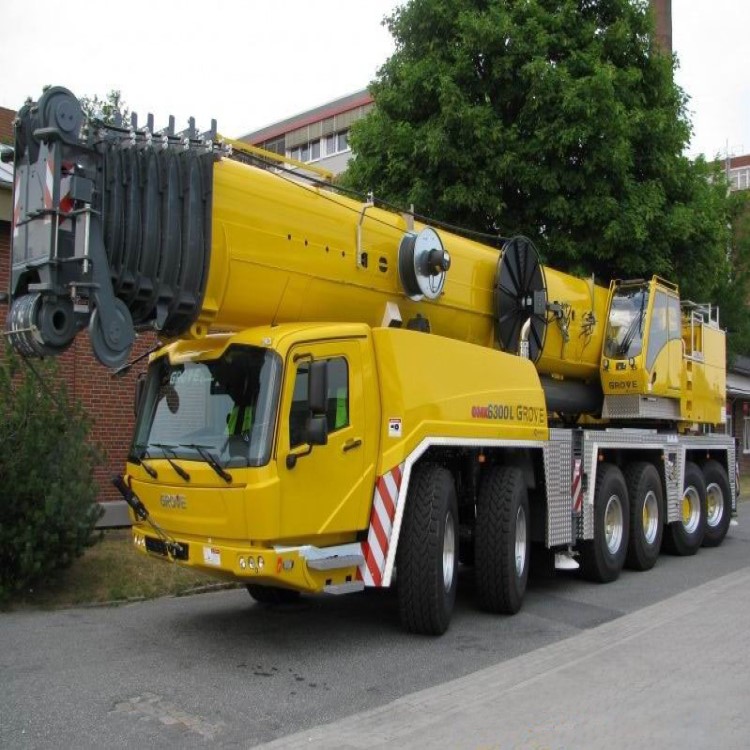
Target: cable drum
<point>520,294</point>
<point>423,263</point>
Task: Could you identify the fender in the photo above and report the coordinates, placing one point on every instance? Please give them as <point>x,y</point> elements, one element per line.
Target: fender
<point>390,498</point>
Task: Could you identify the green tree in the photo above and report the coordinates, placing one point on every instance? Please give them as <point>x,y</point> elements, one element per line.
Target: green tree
<point>558,119</point>
<point>107,108</point>
<point>47,490</point>
<point>733,291</point>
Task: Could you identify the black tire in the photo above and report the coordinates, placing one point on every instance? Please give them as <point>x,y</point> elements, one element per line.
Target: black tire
<point>646,497</point>
<point>502,540</point>
<point>684,537</point>
<point>271,594</point>
<point>718,503</point>
<point>603,557</point>
<point>427,559</point>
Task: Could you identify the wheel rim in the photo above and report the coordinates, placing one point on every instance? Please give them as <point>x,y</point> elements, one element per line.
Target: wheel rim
<point>691,509</point>
<point>715,502</point>
<point>520,541</point>
<point>449,552</point>
<point>613,525</point>
<point>650,517</point>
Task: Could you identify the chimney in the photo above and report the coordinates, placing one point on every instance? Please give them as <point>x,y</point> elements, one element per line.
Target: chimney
<point>662,10</point>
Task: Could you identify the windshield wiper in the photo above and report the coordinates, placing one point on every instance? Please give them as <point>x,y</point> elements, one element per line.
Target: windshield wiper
<point>210,459</point>
<point>164,447</point>
<point>138,461</point>
<point>634,329</point>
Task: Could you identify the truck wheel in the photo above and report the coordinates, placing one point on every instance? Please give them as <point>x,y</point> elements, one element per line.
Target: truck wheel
<point>271,594</point>
<point>603,556</point>
<point>427,559</point>
<point>718,503</point>
<point>646,515</point>
<point>502,543</point>
<point>684,537</point>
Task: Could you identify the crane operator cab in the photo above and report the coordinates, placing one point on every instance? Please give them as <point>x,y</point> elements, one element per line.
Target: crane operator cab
<point>660,358</point>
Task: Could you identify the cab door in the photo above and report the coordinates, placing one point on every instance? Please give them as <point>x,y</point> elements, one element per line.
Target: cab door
<point>664,351</point>
<point>329,490</point>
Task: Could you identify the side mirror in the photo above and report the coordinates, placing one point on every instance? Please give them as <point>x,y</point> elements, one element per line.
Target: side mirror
<point>140,387</point>
<point>316,430</point>
<point>318,387</point>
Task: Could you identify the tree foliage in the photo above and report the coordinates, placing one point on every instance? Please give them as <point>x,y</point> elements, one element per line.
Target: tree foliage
<point>47,489</point>
<point>558,119</point>
<point>733,291</point>
<point>106,109</point>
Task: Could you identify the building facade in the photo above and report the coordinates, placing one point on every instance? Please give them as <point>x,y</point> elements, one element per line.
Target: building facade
<point>738,374</point>
<point>318,136</point>
<point>738,172</point>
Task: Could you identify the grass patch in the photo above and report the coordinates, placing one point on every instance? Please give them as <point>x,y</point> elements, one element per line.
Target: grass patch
<point>111,571</point>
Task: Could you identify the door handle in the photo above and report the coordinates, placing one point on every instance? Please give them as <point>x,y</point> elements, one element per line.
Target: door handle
<point>352,443</point>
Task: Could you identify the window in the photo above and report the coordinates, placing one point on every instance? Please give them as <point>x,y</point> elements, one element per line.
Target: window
<point>337,397</point>
<point>675,319</point>
<point>315,149</point>
<point>226,406</point>
<point>276,145</point>
<point>739,178</point>
<point>625,325</point>
<point>659,333</point>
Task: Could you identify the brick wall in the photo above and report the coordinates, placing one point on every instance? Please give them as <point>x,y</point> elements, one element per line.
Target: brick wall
<point>736,407</point>
<point>6,125</point>
<point>107,400</point>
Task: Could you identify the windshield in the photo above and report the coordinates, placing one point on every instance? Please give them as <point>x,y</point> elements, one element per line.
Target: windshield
<point>627,316</point>
<point>223,408</point>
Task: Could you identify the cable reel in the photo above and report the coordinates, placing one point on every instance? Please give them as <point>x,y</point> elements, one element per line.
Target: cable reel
<point>423,263</point>
<point>520,295</point>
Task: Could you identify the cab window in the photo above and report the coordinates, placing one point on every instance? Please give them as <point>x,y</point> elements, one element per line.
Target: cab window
<point>337,397</point>
<point>659,333</point>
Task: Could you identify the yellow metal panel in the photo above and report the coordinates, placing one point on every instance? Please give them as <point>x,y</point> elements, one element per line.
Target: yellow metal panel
<point>284,251</point>
<point>573,349</point>
<point>328,491</point>
<point>439,387</point>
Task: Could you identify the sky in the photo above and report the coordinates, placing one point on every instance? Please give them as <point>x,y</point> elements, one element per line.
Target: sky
<point>249,63</point>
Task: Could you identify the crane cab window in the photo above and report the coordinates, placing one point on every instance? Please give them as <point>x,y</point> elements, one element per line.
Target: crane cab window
<point>337,413</point>
<point>665,325</point>
<point>625,326</point>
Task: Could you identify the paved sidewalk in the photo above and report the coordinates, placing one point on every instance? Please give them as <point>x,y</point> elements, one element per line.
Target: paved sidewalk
<point>673,675</point>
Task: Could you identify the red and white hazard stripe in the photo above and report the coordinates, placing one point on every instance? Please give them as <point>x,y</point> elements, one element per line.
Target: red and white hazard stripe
<point>49,184</point>
<point>48,188</point>
<point>375,549</point>
<point>576,489</point>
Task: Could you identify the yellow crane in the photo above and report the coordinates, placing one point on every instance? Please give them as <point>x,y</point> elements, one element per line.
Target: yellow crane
<point>348,391</point>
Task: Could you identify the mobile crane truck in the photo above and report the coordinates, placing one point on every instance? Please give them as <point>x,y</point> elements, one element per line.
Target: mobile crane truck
<point>350,398</point>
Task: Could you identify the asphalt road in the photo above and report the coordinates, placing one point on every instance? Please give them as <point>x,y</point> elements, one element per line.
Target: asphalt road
<point>218,670</point>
